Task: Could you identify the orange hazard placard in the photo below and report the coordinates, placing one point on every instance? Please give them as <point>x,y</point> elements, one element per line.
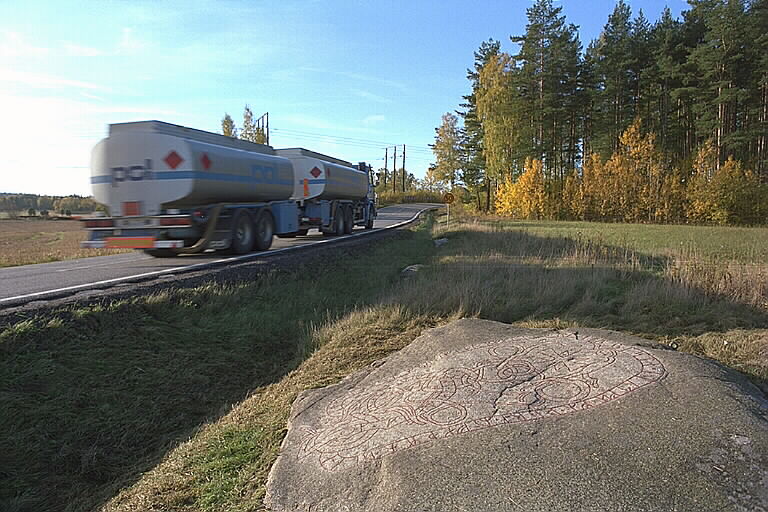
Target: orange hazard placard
<point>130,242</point>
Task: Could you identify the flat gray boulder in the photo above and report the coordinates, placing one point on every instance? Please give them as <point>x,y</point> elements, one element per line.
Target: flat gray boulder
<point>481,416</point>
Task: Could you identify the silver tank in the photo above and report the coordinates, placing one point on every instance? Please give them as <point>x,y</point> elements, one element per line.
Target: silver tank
<point>160,165</point>
<point>321,176</point>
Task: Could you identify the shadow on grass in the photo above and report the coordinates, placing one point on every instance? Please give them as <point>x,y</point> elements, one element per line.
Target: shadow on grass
<point>513,276</point>
<point>89,402</point>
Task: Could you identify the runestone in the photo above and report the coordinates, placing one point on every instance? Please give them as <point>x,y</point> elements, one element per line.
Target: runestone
<point>506,381</point>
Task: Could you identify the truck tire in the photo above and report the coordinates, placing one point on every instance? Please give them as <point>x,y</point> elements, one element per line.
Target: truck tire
<point>369,219</point>
<point>302,232</point>
<point>349,223</point>
<point>338,223</point>
<point>161,253</point>
<point>265,230</point>
<point>243,233</point>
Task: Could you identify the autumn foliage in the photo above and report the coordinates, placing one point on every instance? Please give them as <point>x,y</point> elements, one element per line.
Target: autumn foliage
<point>637,184</point>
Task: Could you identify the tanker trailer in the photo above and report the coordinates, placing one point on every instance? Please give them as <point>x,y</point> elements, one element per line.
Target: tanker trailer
<point>174,190</point>
<point>325,182</point>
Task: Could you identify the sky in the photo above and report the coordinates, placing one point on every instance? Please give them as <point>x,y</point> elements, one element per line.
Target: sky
<point>344,78</point>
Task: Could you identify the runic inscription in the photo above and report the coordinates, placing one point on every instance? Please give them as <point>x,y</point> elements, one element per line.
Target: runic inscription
<point>502,382</point>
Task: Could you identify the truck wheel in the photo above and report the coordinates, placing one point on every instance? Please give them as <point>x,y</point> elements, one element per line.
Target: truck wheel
<point>338,224</point>
<point>369,220</point>
<point>302,232</point>
<point>348,220</point>
<point>161,253</point>
<point>265,230</point>
<point>243,233</point>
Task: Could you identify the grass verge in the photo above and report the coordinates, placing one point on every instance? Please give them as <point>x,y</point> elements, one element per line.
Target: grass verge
<point>103,407</point>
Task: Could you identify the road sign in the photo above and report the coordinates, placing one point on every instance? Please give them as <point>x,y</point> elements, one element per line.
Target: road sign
<point>448,198</point>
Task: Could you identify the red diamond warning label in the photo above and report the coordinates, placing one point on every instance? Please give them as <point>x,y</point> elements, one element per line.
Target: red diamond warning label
<point>315,172</point>
<point>173,160</point>
<point>205,161</point>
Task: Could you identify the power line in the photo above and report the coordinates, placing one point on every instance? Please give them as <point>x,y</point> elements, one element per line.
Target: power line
<point>342,138</point>
<point>355,139</point>
<point>329,139</point>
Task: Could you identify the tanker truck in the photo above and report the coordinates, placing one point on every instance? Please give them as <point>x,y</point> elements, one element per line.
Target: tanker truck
<point>174,190</point>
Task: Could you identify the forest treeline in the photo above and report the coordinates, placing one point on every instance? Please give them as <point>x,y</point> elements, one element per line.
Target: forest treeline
<point>32,204</point>
<point>659,122</point>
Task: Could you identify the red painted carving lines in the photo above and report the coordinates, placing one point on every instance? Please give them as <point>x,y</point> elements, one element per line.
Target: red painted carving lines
<point>504,382</point>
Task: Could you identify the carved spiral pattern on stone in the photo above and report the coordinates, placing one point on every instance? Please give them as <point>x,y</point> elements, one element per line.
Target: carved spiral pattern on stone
<point>503,382</point>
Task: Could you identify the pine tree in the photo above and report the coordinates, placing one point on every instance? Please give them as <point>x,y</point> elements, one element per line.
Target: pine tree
<point>720,66</point>
<point>756,118</point>
<point>613,64</point>
<point>548,95</point>
<point>664,76</point>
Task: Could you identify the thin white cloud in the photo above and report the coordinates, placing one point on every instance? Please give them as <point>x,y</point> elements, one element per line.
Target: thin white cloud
<point>308,122</point>
<point>374,119</point>
<point>129,44</point>
<point>91,96</point>
<point>14,44</point>
<point>394,84</point>
<point>121,109</point>
<point>44,81</point>
<point>368,78</point>
<point>75,50</point>
<point>370,96</point>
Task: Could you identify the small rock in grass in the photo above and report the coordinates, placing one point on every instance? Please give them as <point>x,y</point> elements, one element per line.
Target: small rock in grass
<point>411,270</point>
<point>440,242</point>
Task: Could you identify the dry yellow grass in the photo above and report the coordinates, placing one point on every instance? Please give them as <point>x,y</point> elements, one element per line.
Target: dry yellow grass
<point>23,242</point>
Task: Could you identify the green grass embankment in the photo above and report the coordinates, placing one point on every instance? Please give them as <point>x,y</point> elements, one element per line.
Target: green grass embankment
<point>96,403</point>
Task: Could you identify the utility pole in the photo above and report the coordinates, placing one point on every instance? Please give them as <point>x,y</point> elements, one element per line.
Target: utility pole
<point>262,125</point>
<point>394,169</point>
<point>404,173</point>
<point>386,164</point>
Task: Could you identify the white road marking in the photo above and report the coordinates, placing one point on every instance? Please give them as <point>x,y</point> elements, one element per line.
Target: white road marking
<point>208,263</point>
<point>110,264</point>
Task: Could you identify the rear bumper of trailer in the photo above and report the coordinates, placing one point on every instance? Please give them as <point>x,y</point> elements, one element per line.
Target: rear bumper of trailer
<point>132,243</point>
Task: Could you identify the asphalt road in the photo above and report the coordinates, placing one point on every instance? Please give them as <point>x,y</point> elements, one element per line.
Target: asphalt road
<point>35,282</point>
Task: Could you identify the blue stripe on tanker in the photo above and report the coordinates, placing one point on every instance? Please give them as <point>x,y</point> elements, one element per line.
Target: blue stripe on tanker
<point>200,175</point>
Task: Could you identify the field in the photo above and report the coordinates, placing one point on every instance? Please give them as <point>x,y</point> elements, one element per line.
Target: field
<point>179,400</point>
<point>23,242</point>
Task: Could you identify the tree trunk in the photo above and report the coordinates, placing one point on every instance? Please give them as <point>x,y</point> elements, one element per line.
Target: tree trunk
<point>487,195</point>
